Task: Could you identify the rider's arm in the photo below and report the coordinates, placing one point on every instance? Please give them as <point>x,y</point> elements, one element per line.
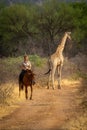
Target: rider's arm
<point>22,66</point>
<point>28,66</point>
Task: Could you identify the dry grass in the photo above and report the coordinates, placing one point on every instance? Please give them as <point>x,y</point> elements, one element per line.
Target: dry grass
<point>74,72</point>
<point>9,99</point>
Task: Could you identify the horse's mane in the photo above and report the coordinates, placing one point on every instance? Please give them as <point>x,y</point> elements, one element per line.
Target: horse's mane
<point>29,72</point>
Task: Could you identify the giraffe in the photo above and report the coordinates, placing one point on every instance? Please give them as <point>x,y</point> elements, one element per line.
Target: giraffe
<point>56,61</point>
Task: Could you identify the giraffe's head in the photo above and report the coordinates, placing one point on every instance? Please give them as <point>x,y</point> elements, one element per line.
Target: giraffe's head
<point>68,35</point>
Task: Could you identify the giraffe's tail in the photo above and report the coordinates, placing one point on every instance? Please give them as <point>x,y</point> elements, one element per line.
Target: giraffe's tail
<point>50,67</point>
<point>47,72</point>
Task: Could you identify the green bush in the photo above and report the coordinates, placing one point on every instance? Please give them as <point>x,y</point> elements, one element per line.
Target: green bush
<point>10,67</point>
<point>37,61</point>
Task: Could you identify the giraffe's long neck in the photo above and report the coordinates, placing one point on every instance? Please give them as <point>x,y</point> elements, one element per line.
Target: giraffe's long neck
<point>60,48</point>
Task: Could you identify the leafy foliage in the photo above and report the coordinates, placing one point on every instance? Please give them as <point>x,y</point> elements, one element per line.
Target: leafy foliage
<point>44,23</point>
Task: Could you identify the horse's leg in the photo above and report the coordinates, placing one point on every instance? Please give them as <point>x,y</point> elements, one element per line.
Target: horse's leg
<point>31,92</point>
<point>26,92</point>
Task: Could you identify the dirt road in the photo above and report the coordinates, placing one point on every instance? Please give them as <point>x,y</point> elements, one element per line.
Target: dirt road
<point>49,110</point>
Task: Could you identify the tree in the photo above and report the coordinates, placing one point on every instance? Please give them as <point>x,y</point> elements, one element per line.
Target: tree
<point>16,24</point>
<point>80,24</point>
<point>80,20</point>
<point>55,18</point>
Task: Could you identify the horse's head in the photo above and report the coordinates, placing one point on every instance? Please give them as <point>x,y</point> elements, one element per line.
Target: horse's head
<point>30,74</point>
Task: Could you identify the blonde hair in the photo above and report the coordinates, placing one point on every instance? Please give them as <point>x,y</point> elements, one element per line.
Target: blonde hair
<point>26,56</point>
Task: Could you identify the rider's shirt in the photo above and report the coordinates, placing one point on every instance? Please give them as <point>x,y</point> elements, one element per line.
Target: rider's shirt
<point>26,65</point>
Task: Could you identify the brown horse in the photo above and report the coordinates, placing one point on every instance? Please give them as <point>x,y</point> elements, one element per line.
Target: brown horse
<point>28,81</point>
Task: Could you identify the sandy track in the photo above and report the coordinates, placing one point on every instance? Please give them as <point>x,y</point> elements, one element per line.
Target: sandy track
<point>49,110</point>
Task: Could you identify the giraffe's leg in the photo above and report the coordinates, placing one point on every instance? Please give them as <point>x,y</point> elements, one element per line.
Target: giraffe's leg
<point>59,76</point>
<point>49,79</point>
<point>53,73</point>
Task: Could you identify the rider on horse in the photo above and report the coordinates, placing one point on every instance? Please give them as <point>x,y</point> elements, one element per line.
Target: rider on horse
<point>26,77</point>
<point>26,65</point>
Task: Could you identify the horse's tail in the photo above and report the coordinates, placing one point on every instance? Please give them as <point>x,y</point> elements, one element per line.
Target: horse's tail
<point>21,86</point>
